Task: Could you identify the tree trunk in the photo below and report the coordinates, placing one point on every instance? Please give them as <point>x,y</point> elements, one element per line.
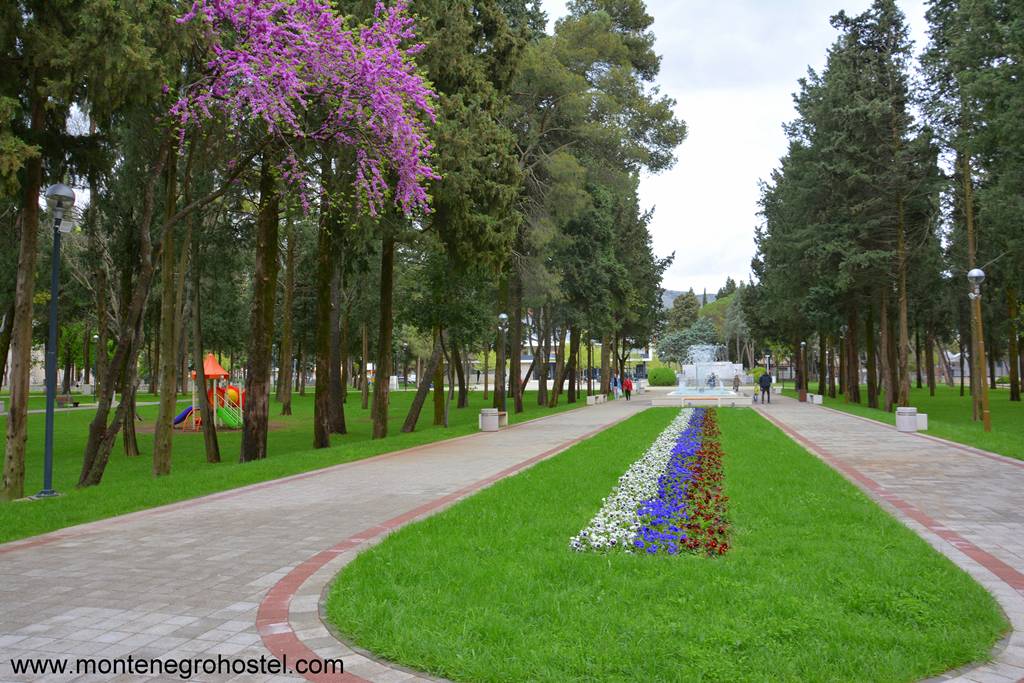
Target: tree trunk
<point>12,486</point>
<point>460,372</point>
<point>929,360</point>
<point>844,354</point>
<point>167,343</point>
<point>962,371</point>
<point>365,369</point>
<point>992,364</point>
<point>261,333</point>
<point>5,344</point>
<point>102,430</point>
<point>487,370</point>
<point>65,382</point>
<point>556,388</point>
<point>206,412</point>
<point>852,360</point>
<point>977,369</point>
<point>869,342</point>
<point>439,381</point>
<point>346,360</point>
<point>284,387</point>
<point>154,368</point>
<point>918,357</point>
<point>574,356</point>
<point>335,388</point>
<point>423,389</point>
<point>515,364</point>
<point>832,369</point>
<point>384,337</point>
<point>1012,357</point>
<point>324,317</point>
<point>885,342</point>
<point>543,355</point>
<point>902,385</point>
<point>300,371</point>
<point>822,362</point>
<point>129,388</point>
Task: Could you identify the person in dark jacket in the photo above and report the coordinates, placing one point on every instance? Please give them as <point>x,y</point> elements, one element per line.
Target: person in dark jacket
<point>765,382</point>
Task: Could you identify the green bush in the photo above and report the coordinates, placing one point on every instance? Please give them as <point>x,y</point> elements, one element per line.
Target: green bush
<point>757,372</point>
<point>662,377</point>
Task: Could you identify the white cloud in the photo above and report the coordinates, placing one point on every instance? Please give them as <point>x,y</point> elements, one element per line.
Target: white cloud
<point>732,68</point>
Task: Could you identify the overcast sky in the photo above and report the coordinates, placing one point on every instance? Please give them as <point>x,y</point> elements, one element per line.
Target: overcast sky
<point>732,68</point>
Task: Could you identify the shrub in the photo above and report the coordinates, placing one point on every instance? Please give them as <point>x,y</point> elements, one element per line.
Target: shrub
<point>757,372</point>
<point>662,377</point>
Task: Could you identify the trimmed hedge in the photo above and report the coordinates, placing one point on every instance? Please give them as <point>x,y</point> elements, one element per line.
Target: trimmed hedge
<point>662,377</point>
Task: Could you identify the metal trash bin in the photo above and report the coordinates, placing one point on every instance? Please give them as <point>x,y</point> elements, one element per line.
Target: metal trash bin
<point>906,419</point>
<point>488,419</point>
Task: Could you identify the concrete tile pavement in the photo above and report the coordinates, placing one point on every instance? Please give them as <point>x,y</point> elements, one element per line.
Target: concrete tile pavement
<point>190,579</point>
<point>968,504</point>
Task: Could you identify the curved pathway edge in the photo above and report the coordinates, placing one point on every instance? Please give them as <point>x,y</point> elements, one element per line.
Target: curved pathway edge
<point>871,445</point>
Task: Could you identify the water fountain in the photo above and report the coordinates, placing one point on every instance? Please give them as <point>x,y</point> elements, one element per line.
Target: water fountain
<point>706,373</point>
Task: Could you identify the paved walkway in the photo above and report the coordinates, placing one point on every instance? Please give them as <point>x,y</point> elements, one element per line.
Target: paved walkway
<point>240,573</point>
<point>968,504</point>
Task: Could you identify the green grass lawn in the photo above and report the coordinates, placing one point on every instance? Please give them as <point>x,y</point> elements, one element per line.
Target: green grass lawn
<point>821,584</point>
<point>949,417</point>
<point>128,484</point>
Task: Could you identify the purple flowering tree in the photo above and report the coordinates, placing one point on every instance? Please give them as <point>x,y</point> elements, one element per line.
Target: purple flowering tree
<point>294,73</point>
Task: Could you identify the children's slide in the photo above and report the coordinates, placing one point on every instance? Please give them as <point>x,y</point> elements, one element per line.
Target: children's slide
<point>183,415</point>
<point>229,418</point>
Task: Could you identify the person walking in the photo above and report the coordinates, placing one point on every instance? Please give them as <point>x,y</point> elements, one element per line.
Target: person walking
<point>627,387</point>
<point>765,382</point>
<point>736,383</point>
<point>615,387</point>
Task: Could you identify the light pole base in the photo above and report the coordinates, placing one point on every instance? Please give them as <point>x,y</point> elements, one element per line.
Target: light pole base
<point>45,493</point>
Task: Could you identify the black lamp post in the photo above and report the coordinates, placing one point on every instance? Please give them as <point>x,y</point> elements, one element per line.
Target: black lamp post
<point>405,366</point>
<point>61,199</point>
<point>803,372</point>
<point>844,381</point>
<point>499,374</point>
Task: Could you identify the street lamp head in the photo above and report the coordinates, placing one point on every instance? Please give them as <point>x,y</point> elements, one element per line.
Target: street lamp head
<point>976,276</point>
<point>60,196</point>
<point>502,318</point>
<point>803,345</point>
<point>843,329</point>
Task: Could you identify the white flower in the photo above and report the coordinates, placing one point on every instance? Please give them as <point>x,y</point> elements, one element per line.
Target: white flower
<point>617,523</point>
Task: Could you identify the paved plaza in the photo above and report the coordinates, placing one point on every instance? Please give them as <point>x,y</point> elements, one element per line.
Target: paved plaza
<point>241,573</point>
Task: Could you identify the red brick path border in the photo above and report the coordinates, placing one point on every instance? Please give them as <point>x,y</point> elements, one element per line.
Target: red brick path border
<point>1005,572</point>
<point>272,617</point>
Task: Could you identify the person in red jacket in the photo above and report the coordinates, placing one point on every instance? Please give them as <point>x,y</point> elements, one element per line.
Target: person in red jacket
<point>627,387</point>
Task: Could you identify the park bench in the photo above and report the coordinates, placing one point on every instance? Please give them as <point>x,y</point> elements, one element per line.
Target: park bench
<point>64,399</point>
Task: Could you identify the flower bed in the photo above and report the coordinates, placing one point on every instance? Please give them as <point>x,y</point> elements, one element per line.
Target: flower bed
<point>670,500</point>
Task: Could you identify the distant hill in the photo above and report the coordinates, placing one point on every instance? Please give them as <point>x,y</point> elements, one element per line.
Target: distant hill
<point>670,295</point>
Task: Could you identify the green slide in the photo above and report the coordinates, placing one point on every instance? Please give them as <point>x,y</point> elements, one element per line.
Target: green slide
<point>229,418</point>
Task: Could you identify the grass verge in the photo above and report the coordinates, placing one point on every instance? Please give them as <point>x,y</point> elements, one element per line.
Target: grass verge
<point>949,417</point>
<point>128,484</point>
<point>820,585</point>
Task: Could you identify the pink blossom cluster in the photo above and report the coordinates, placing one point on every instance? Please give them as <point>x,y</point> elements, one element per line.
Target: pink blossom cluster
<point>305,73</point>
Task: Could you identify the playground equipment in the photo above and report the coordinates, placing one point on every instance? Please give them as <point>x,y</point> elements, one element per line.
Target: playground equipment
<point>227,400</point>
